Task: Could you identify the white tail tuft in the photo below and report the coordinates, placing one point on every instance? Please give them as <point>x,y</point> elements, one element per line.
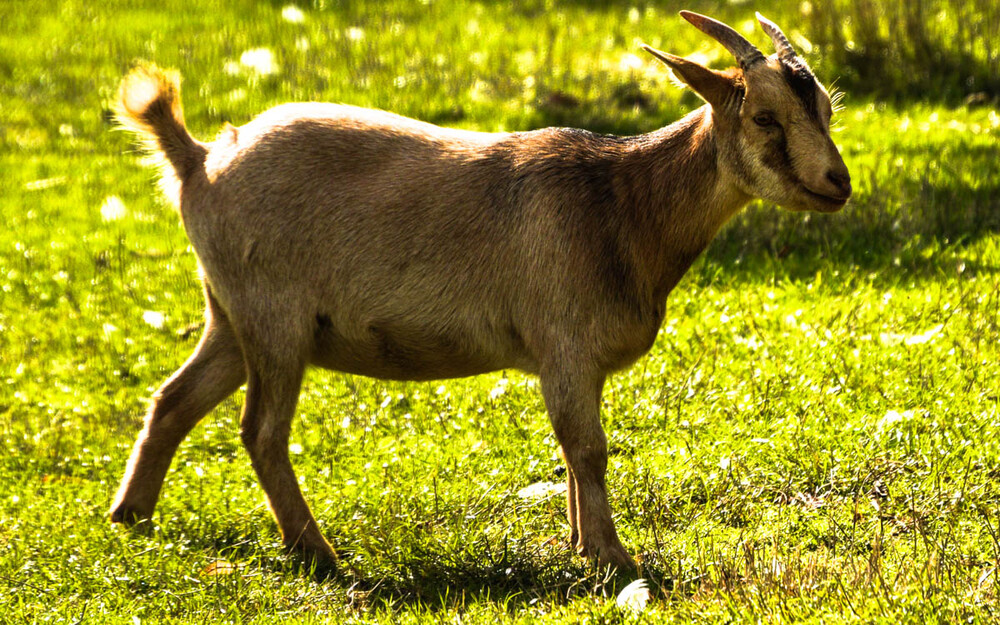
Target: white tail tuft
<point>149,104</point>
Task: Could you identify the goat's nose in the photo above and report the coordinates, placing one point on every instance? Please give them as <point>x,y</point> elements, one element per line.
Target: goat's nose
<point>841,180</point>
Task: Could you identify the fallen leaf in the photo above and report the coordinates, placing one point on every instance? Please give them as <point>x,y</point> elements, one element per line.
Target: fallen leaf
<point>219,567</point>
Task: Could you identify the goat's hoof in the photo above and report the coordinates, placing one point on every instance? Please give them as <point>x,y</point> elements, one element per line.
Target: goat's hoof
<point>610,556</point>
<point>320,561</point>
<point>621,562</point>
<point>321,569</point>
<point>321,566</point>
<point>127,516</point>
<point>131,518</point>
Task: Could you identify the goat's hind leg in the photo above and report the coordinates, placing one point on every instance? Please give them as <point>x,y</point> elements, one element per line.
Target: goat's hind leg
<point>213,372</point>
<point>273,387</point>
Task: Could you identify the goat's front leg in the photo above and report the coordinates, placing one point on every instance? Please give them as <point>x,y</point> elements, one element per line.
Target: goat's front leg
<point>573,403</point>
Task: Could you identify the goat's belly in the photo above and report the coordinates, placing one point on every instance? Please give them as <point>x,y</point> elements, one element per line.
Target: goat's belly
<point>390,354</point>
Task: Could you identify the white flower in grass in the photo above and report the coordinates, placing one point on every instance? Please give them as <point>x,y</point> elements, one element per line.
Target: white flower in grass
<point>293,14</point>
<point>893,420</point>
<point>892,338</point>
<point>924,337</point>
<point>541,490</point>
<point>260,60</point>
<point>113,208</point>
<point>499,389</point>
<point>153,318</point>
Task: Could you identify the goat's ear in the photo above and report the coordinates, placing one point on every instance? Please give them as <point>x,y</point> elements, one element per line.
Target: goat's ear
<point>714,87</point>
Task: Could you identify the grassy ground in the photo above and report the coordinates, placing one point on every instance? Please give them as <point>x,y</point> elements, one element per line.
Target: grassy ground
<point>811,439</point>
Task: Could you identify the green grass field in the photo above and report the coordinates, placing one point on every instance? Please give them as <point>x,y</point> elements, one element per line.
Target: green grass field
<point>813,437</point>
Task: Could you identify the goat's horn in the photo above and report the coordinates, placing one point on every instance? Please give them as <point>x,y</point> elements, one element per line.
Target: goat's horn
<point>784,49</point>
<point>744,51</point>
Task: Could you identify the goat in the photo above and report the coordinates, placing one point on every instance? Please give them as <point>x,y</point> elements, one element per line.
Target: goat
<point>368,243</point>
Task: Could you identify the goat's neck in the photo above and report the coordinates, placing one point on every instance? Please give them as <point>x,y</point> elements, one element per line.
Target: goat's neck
<point>678,197</point>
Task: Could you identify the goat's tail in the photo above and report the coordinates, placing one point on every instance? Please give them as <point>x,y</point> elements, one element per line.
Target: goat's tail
<point>149,104</point>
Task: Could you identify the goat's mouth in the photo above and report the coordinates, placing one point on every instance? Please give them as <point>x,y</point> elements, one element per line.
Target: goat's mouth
<point>826,203</point>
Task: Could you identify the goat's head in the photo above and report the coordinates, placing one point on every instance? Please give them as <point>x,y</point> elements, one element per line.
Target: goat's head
<point>771,118</point>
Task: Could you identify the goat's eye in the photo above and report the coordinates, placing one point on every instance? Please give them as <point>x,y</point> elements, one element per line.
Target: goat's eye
<point>765,119</point>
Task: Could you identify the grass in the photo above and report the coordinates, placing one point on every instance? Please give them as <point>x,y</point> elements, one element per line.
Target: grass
<point>811,439</point>
<point>941,49</point>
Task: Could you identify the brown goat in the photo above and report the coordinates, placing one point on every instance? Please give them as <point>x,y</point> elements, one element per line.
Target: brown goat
<point>369,243</point>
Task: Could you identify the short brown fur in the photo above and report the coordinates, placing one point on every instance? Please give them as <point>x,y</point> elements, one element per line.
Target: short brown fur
<point>369,243</point>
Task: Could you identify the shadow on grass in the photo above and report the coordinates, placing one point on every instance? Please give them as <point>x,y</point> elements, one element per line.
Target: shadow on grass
<point>434,582</point>
<point>513,571</point>
<point>437,580</point>
<point>517,580</point>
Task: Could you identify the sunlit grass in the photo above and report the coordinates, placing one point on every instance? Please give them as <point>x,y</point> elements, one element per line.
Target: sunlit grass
<point>937,49</point>
<point>811,437</point>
